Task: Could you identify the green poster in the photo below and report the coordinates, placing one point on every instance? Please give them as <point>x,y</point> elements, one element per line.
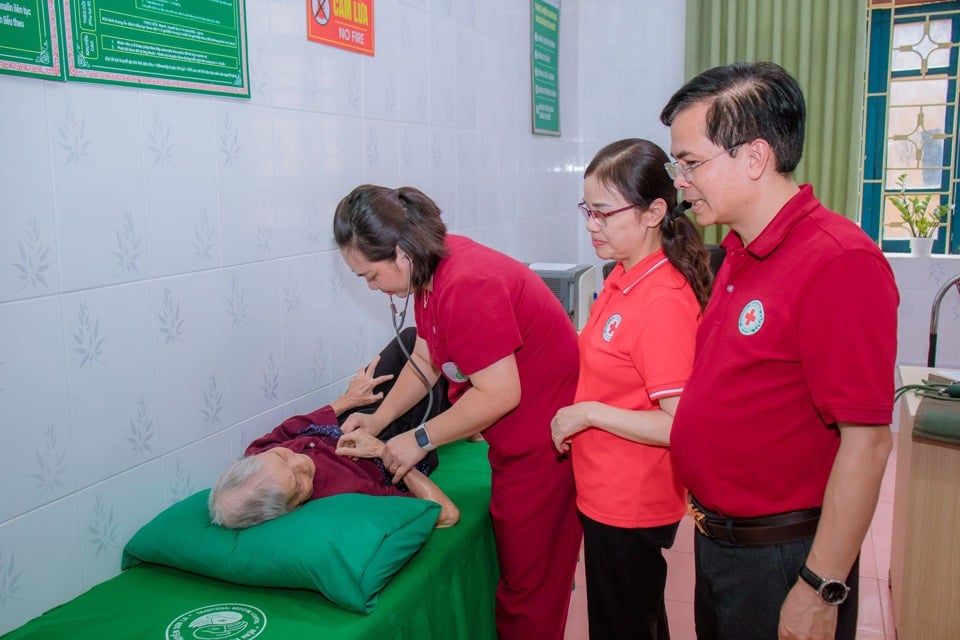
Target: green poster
<point>29,39</point>
<point>184,45</point>
<point>545,23</point>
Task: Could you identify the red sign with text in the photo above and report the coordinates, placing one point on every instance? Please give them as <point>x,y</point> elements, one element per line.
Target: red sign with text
<point>347,24</point>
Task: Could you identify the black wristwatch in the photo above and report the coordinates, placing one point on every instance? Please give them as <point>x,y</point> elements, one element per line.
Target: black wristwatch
<point>833,592</point>
<point>423,438</point>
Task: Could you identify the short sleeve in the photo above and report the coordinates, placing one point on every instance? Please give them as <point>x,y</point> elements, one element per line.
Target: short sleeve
<point>847,337</point>
<point>664,349</point>
<point>479,322</point>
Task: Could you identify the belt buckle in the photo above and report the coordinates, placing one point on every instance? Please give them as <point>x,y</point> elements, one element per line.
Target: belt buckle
<point>698,517</point>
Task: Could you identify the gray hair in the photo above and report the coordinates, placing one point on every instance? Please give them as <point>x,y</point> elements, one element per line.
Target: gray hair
<point>260,501</point>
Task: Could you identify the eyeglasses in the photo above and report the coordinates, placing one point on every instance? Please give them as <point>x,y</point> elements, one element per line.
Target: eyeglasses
<point>680,168</point>
<point>599,216</point>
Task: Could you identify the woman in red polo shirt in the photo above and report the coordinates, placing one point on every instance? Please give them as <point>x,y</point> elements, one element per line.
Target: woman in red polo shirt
<point>636,352</point>
<point>493,328</point>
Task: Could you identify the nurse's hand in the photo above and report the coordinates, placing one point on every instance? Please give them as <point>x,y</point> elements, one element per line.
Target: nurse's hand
<point>568,422</point>
<point>401,453</point>
<point>366,422</point>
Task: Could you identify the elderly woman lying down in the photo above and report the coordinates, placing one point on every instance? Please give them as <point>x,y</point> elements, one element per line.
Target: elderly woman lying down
<point>308,457</point>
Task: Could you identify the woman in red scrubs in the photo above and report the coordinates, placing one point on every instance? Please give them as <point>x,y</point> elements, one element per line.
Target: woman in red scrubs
<point>492,327</point>
<point>636,353</point>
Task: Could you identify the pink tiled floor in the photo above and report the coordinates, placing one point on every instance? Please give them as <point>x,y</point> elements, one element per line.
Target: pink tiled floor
<point>876,614</point>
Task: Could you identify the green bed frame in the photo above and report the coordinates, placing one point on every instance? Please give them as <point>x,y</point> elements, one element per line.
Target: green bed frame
<point>445,591</point>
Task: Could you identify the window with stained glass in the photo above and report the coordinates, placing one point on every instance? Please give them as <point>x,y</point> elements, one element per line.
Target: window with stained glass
<point>911,116</point>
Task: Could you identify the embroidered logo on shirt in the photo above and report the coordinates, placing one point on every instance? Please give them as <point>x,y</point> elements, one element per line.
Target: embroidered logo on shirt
<point>452,371</point>
<point>751,318</point>
<point>613,323</point>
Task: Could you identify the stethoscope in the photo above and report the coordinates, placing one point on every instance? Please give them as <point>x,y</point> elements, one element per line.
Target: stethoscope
<point>398,319</point>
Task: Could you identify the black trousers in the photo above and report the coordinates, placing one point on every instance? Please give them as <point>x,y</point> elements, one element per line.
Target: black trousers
<point>740,590</point>
<point>626,575</point>
<point>392,360</point>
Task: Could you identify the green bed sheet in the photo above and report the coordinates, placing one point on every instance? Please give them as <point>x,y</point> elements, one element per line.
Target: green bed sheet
<point>445,591</point>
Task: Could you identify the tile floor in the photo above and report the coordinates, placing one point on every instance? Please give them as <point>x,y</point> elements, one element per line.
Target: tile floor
<point>876,614</point>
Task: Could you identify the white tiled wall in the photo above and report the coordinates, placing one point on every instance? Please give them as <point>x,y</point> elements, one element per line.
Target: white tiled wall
<point>169,287</point>
<point>631,62</point>
<point>919,280</point>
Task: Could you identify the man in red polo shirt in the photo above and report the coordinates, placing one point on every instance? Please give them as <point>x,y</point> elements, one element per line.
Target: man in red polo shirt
<point>782,435</point>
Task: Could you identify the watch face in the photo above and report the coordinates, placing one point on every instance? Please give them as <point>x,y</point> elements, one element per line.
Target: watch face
<point>422,438</point>
<point>834,592</point>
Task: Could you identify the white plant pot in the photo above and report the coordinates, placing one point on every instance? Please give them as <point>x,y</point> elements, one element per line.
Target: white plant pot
<point>922,247</point>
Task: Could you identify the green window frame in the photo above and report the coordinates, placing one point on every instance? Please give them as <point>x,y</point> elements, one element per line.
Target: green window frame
<point>911,118</point>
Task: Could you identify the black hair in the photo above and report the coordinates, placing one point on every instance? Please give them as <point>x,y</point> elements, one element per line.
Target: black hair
<point>748,100</point>
<point>375,221</point>
<point>634,168</point>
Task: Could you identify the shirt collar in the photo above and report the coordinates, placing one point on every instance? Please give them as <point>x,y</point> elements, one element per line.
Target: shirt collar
<point>624,281</point>
<point>797,207</point>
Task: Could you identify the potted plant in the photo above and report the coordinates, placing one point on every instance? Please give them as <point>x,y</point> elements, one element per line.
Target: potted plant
<point>917,216</point>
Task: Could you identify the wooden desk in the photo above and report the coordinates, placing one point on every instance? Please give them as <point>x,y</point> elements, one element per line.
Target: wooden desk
<point>925,543</point>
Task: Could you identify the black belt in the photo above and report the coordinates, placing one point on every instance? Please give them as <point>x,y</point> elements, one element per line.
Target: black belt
<point>775,529</point>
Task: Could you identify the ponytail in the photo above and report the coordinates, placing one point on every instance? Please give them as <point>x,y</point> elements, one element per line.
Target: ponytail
<point>634,168</point>
<point>684,248</point>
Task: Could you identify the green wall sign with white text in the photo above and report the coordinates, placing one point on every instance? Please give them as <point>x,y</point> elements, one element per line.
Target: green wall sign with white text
<point>29,38</point>
<point>185,45</point>
<point>545,41</point>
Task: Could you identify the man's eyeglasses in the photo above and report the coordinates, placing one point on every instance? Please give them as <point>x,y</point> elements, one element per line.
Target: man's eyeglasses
<point>680,168</point>
<point>600,216</point>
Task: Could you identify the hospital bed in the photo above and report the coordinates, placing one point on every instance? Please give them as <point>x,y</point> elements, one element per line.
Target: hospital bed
<point>446,590</point>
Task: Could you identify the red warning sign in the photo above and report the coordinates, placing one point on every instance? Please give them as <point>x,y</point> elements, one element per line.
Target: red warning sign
<point>347,24</point>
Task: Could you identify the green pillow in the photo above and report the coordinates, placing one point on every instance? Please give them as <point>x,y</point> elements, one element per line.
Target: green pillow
<point>347,546</point>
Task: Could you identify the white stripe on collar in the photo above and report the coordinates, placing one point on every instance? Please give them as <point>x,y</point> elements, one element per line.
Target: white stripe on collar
<point>656,266</point>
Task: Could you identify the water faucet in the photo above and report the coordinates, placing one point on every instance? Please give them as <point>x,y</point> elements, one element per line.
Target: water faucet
<point>934,316</point>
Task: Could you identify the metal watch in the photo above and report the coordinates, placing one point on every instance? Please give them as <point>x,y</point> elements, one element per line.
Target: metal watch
<point>423,438</point>
<point>832,592</point>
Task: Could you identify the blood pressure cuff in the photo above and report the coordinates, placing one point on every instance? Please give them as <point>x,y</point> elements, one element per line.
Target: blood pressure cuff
<point>937,421</point>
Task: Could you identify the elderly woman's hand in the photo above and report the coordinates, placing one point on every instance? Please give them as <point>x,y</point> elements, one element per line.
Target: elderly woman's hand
<point>360,388</point>
<point>359,444</point>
